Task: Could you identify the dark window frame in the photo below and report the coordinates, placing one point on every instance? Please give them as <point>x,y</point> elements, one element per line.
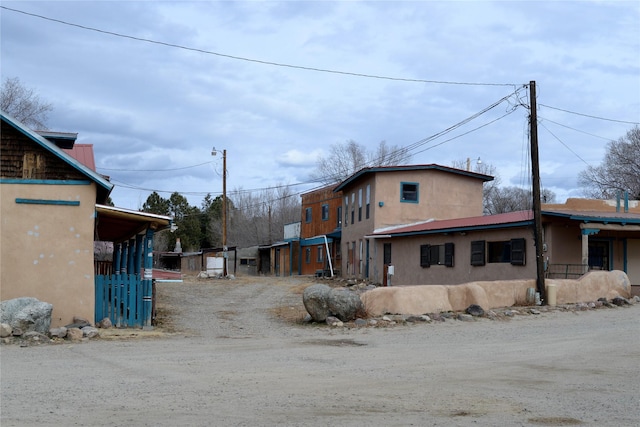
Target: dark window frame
<point>409,192</point>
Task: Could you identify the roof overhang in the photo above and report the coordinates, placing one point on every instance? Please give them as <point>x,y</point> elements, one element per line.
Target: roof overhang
<point>119,224</point>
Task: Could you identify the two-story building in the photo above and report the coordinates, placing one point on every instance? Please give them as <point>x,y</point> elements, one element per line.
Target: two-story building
<point>377,198</point>
<point>320,232</point>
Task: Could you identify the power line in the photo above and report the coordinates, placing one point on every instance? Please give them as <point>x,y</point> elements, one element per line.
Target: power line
<point>574,129</point>
<point>590,116</point>
<point>258,61</point>
<point>153,170</point>
<point>565,145</point>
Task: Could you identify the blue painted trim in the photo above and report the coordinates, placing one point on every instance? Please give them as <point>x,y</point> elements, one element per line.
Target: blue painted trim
<point>316,241</point>
<point>45,181</point>
<point>417,184</point>
<point>47,202</point>
<point>590,231</point>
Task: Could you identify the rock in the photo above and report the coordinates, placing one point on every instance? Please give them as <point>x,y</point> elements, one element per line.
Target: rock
<point>373,322</point>
<point>105,323</point>
<point>510,313</point>
<point>60,332</point>
<point>386,318</point>
<point>78,325</point>
<point>421,318</point>
<point>636,298</point>
<point>534,311</point>
<point>81,320</point>
<point>465,317</point>
<point>315,302</point>
<point>74,334</point>
<point>5,330</point>
<point>582,306</point>
<point>307,318</point>
<point>89,332</point>
<point>475,310</point>
<point>27,314</point>
<point>344,304</point>
<point>17,331</point>
<point>619,301</point>
<point>603,300</point>
<point>592,305</point>
<point>446,314</point>
<point>333,321</point>
<point>35,337</point>
<point>361,322</point>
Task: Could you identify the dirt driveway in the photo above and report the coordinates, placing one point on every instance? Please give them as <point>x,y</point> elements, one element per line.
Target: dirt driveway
<point>234,353</point>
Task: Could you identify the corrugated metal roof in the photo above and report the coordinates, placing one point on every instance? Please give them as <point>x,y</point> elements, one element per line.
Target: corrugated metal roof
<point>596,216</point>
<point>402,168</point>
<point>511,219</point>
<point>84,154</point>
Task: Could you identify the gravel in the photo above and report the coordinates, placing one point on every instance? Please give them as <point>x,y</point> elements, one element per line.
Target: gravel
<point>236,353</point>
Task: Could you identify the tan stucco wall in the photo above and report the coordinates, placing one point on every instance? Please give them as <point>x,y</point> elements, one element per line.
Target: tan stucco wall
<point>442,195</point>
<point>405,257</point>
<point>434,299</point>
<point>46,251</point>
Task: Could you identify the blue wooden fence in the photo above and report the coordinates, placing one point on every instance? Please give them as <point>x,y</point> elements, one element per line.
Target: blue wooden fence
<point>121,298</point>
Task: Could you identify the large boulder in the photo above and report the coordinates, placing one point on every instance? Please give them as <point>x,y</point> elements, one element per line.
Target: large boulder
<point>345,304</point>
<point>26,314</point>
<point>315,299</point>
<point>321,301</point>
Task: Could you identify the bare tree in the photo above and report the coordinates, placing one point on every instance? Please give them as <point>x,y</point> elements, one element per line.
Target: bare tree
<point>490,188</point>
<point>511,199</point>
<point>618,172</point>
<point>346,158</point>
<point>24,104</point>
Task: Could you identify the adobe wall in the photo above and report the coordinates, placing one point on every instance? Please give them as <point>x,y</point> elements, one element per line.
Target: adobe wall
<point>491,294</point>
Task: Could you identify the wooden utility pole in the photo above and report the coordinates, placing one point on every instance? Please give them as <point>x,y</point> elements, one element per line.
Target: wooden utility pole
<point>225,252</point>
<point>537,208</point>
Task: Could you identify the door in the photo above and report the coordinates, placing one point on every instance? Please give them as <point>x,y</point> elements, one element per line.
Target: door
<point>387,262</point>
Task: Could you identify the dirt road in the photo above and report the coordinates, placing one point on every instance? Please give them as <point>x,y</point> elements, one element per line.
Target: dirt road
<point>235,355</point>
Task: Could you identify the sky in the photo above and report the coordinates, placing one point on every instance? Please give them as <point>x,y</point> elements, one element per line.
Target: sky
<point>155,85</point>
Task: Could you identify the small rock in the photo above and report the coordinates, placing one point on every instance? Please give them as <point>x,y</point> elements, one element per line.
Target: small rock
<point>414,319</point>
<point>60,332</point>
<point>465,317</point>
<point>105,323</point>
<point>619,301</point>
<point>592,305</point>
<point>74,334</point>
<point>598,303</point>
<point>446,314</point>
<point>373,322</point>
<point>475,310</point>
<point>5,330</point>
<point>307,319</point>
<point>603,300</point>
<point>582,306</point>
<point>36,337</point>
<point>386,318</point>
<point>360,322</point>
<point>333,321</point>
<point>81,320</point>
<point>17,332</point>
<point>89,332</point>
<point>492,314</point>
<point>534,311</point>
<point>636,298</point>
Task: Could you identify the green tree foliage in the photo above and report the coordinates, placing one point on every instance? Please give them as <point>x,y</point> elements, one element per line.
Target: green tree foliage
<point>156,204</point>
<point>618,172</point>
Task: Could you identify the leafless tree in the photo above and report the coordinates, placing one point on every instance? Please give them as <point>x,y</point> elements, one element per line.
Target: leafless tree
<point>24,104</point>
<point>511,199</point>
<point>346,158</point>
<point>490,188</point>
<point>618,172</point>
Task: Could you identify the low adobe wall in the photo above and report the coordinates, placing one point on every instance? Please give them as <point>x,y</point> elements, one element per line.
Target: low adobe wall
<point>424,299</point>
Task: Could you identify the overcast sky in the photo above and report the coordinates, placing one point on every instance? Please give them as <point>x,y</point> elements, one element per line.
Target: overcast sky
<point>242,80</point>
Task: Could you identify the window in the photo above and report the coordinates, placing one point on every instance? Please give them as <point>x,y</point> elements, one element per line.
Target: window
<point>512,251</point>
<point>409,192</point>
<point>353,206</point>
<point>360,205</point>
<point>368,201</point>
<point>319,253</point>
<point>436,255</point>
<point>307,255</point>
<point>325,212</point>
<point>339,217</point>
<point>387,254</point>
<point>307,215</point>
<point>346,210</point>
<point>477,252</point>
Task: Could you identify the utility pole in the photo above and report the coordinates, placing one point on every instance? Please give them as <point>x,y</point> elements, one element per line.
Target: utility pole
<point>537,208</point>
<point>225,253</point>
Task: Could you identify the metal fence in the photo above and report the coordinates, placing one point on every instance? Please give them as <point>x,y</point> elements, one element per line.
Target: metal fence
<point>566,271</point>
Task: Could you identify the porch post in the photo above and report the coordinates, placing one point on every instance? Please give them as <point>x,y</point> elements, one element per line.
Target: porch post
<point>138,259</point>
<point>117,256</point>
<point>131,257</point>
<point>147,282</point>
<point>586,232</point>
<point>125,256</point>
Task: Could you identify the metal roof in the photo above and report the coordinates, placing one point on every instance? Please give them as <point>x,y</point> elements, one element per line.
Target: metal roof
<point>379,169</point>
<point>84,154</point>
<point>606,217</point>
<point>119,224</point>
<point>511,219</point>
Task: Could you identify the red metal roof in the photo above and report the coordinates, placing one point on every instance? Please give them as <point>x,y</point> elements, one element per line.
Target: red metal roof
<point>84,154</point>
<point>458,223</point>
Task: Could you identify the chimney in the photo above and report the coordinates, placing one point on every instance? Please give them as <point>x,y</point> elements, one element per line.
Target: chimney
<point>178,247</point>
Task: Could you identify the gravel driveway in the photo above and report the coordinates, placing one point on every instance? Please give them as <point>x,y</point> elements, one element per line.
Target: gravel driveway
<point>234,353</point>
